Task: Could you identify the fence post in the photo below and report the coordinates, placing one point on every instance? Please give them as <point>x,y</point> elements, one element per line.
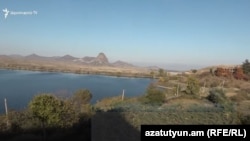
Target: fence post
<point>6,111</point>
<point>122,94</point>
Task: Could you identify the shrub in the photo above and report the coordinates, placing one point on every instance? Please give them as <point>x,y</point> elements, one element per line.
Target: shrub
<point>154,96</point>
<point>81,100</point>
<point>194,70</point>
<point>217,96</point>
<point>22,120</point>
<point>161,72</point>
<point>51,111</point>
<point>192,86</point>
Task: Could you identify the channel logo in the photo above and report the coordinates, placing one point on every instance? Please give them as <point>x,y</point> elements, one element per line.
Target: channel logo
<point>7,12</point>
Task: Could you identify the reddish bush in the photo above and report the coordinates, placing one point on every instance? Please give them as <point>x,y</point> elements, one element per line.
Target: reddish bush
<point>236,72</point>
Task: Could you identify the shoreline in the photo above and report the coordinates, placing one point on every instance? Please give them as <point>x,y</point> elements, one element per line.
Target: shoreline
<point>116,74</point>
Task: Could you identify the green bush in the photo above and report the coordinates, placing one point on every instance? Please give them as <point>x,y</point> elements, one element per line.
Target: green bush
<point>154,96</point>
<point>193,87</point>
<point>51,111</point>
<point>22,120</point>
<point>217,96</point>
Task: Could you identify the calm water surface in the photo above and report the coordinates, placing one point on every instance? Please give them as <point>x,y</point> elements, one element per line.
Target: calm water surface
<point>20,86</point>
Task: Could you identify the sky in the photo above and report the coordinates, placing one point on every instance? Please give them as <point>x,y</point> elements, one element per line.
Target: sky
<point>173,34</point>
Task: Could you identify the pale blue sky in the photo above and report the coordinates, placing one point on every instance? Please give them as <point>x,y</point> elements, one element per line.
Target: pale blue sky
<point>169,33</point>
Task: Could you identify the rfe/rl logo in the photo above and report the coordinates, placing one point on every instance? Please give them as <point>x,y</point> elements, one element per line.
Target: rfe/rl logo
<point>6,12</point>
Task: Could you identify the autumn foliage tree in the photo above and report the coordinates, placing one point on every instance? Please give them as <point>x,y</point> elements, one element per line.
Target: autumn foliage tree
<point>238,73</point>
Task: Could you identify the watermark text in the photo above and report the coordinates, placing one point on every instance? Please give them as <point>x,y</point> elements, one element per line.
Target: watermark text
<point>14,13</point>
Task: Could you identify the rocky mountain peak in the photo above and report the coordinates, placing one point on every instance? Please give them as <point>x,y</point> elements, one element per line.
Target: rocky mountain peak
<point>102,58</point>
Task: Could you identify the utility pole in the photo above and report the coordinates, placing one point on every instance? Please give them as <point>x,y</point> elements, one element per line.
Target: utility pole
<point>6,111</point>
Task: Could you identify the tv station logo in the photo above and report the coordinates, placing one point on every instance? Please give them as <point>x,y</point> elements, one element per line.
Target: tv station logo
<point>14,13</point>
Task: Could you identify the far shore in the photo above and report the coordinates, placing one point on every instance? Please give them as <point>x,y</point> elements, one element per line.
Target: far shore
<point>105,73</point>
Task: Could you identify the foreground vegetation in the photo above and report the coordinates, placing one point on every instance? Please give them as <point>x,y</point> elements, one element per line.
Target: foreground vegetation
<point>196,98</point>
<point>51,118</point>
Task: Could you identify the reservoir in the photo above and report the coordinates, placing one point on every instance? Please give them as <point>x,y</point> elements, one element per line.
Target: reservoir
<point>19,87</point>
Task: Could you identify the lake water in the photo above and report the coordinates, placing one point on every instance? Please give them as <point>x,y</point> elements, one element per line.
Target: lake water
<point>19,87</point>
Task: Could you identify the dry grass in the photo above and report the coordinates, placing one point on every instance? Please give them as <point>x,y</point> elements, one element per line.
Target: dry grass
<point>108,103</point>
<point>188,102</point>
<point>244,107</point>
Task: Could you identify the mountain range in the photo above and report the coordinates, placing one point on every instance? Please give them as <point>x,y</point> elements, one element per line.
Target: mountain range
<point>100,60</point>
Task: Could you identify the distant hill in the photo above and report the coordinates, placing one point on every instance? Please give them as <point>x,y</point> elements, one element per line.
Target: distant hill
<point>66,58</point>
<point>16,56</point>
<point>5,58</point>
<point>154,68</point>
<point>86,59</point>
<point>122,64</point>
<point>36,57</point>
